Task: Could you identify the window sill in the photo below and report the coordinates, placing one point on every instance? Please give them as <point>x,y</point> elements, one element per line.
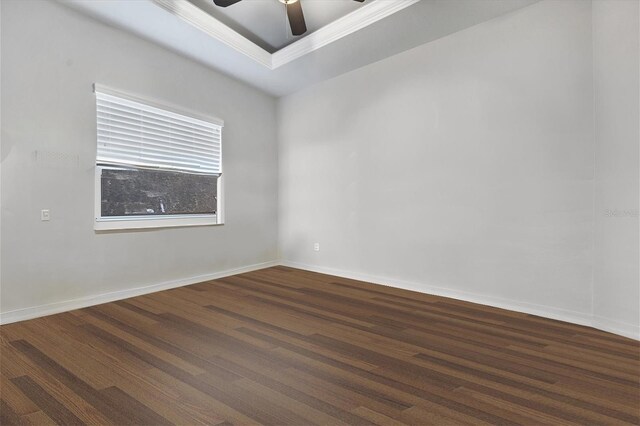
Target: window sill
<point>124,223</point>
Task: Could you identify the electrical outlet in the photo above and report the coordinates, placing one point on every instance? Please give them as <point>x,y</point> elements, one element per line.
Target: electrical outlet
<point>45,215</point>
<point>316,246</point>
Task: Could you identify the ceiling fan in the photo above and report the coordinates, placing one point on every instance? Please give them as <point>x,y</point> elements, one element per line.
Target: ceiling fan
<point>294,13</point>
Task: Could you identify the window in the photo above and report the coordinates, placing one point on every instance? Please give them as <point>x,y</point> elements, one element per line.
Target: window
<point>155,167</point>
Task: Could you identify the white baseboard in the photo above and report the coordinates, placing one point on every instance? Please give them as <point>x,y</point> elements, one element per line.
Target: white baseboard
<point>623,329</point>
<point>83,302</point>
<point>616,327</point>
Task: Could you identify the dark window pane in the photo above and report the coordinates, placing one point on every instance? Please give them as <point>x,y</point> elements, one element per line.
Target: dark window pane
<point>140,192</point>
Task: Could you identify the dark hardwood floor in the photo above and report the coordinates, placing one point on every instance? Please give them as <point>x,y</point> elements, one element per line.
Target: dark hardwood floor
<point>287,347</point>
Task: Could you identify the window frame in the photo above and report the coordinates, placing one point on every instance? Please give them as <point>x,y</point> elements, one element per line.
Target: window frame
<point>112,223</point>
<point>115,223</point>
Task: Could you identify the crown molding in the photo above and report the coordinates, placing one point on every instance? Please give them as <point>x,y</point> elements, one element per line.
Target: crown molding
<point>216,29</point>
<point>364,16</point>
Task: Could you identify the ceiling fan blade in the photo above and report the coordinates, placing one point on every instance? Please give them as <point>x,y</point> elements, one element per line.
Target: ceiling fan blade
<point>225,3</point>
<point>296,18</point>
<point>361,1</point>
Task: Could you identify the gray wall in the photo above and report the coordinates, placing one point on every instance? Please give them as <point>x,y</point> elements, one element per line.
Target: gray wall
<point>463,167</point>
<point>50,57</point>
<point>616,74</point>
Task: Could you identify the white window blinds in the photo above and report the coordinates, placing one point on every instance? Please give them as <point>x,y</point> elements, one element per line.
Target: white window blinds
<point>131,133</point>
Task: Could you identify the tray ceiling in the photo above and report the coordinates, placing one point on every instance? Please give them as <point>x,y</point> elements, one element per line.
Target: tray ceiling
<point>373,31</point>
<point>264,22</point>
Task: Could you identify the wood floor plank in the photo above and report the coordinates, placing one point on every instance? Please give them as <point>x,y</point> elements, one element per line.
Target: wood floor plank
<point>39,418</point>
<point>15,399</point>
<point>7,415</point>
<point>47,403</point>
<point>310,414</point>
<point>56,397</point>
<point>290,347</point>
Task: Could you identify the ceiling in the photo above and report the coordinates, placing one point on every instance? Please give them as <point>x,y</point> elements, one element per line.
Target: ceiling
<point>264,22</point>
<point>371,32</point>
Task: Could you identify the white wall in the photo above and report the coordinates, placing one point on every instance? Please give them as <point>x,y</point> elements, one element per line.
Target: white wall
<point>463,167</point>
<point>616,92</point>
<point>50,57</point>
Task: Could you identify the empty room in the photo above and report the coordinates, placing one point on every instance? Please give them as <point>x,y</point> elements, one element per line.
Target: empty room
<point>319,212</point>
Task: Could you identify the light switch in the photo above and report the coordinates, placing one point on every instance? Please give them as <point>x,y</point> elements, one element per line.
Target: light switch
<point>45,215</point>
